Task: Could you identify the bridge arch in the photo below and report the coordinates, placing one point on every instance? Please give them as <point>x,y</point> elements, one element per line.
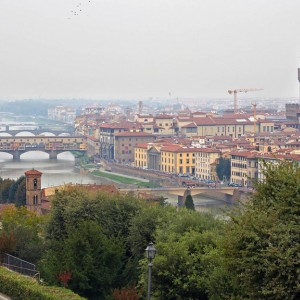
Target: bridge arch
<point>42,154</point>
<point>5,134</point>
<point>7,155</point>
<point>24,133</point>
<point>63,153</point>
<point>46,133</point>
<point>64,134</point>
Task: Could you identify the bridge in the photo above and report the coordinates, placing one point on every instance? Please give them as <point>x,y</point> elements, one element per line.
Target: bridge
<point>37,132</point>
<point>53,145</point>
<point>227,194</point>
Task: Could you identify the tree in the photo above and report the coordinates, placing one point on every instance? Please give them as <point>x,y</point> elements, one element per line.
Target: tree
<point>26,228</point>
<point>4,190</point>
<point>91,260</point>
<point>261,249</point>
<point>7,243</point>
<point>113,216</point>
<point>223,168</point>
<point>17,191</point>
<point>185,245</point>
<point>189,203</point>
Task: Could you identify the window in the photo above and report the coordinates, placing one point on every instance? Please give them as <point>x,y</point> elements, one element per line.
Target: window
<point>180,161</point>
<point>35,200</point>
<point>187,161</point>
<point>35,183</point>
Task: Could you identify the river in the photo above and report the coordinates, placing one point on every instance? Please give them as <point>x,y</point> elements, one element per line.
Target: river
<point>63,171</point>
<point>55,172</point>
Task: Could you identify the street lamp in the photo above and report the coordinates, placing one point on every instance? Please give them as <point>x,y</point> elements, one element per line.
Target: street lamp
<point>150,252</point>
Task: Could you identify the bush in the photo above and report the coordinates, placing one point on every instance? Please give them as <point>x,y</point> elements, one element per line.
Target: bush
<point>20,287</point>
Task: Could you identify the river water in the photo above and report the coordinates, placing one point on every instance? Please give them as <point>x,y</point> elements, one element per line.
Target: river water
<point>55,172</point>
<point>63,171</point>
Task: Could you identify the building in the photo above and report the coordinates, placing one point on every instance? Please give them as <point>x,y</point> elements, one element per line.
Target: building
<point>206,161</point>
<point>177,159</point>
<point>125,142</point>
<point>107,136</point>
<point>92,146</point>
<point>34,190</point>
<point>244,167</point>
<point>141,155</point>
<point>166,124</point>
<point>62,113</point>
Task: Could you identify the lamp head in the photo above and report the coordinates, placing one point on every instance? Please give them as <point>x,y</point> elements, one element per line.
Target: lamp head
<point>150,251</point>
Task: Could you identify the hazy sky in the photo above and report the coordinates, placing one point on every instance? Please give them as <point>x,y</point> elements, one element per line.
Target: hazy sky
<point>148,48</point>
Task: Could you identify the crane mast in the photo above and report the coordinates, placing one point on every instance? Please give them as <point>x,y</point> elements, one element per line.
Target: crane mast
<point>235,91</point>
<point>254,117</point>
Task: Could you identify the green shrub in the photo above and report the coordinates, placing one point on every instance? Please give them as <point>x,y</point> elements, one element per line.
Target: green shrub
<point>20,287</point>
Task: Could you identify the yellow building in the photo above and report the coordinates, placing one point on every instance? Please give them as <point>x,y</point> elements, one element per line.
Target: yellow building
<point>206,159</point>
<point>141,156</point>
<point>177,159</point>
<point>244,167</point>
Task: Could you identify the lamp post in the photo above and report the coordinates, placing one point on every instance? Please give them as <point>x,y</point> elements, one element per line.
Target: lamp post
<point>150,252</point>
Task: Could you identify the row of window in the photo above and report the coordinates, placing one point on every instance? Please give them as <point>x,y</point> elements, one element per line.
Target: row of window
<point>239,174</point>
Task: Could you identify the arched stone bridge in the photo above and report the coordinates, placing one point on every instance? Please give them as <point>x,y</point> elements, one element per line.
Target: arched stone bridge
<point>37,132</point>
<point>53,145</point>
<point>227,194</point>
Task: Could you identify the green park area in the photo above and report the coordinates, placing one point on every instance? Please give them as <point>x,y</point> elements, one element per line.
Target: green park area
<point>125,180</point>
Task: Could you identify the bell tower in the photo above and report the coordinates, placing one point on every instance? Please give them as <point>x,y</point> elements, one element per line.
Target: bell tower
<point>33,190</point>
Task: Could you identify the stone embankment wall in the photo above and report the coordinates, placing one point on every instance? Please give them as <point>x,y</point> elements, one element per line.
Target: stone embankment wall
<point>153,176</point>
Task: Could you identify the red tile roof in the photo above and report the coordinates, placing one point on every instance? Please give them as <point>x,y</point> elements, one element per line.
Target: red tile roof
<point>33,172</point>
<point>191,125</point>
<point>133,133</point>
<point>164,116</point>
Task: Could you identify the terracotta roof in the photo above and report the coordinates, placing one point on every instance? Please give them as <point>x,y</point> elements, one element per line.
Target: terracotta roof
<point>247,154</point>
<point>221,121</point>
<point>33,172</point>
<point>121,125</point>
<point>92,138</point>
<point>207,150</point>
<point>164,116</point>
<point>143,146</point>
<point>133,133</point>
<point>191,125</point>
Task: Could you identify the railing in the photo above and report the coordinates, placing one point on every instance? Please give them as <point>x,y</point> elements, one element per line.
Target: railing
<point>19,265</point>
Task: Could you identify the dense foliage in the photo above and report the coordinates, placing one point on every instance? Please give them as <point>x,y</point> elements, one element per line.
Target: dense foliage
<point>95,244</point>
<point>13,191</point>
<point>263,241</point>
<point>189,202</point>
<point>19,287</point>
<point>26,228</point>
<point>223,168</point>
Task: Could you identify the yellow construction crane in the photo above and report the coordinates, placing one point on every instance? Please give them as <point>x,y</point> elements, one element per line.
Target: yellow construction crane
<point>234,92</point>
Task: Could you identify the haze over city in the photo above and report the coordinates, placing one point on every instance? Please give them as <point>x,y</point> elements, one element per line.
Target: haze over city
<point>127,49</point>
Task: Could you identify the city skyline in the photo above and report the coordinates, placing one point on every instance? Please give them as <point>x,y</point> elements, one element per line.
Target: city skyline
<point>134,49</point>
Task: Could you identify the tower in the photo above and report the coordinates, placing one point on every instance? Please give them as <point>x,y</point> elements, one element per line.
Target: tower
<point>33,190</point>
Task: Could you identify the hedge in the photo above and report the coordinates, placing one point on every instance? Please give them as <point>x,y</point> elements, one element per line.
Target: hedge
<point>20,287</point>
